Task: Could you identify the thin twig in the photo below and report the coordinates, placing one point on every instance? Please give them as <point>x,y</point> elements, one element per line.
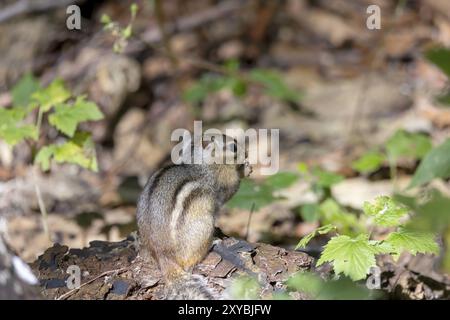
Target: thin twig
<point>41,204</point>
<point>226,8</point>
<point>69,293</point>
<point>252,209</point>
<point>161,20</point>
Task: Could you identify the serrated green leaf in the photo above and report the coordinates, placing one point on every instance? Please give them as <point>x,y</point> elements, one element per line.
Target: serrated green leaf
<point>12,130</point>
<point>11,116</point>
<point>407,144</point>
<point>436,164</point>
<point>274,85</point>
<point>441,58</point>
<point>381,246</point>
<point>369,162</point>
<point>413,242</point>
<point>321,230</point>
<point>52,95</point>
<point>15,134</point>
<point>351,256</point>
<point>22,91</point>
<point>79,150</point>
<point>66,117</point>
<point>251,194</point>
<point>281,180</point>
<point>386,211</point>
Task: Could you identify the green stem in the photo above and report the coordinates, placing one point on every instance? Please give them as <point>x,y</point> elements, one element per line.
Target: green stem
<point>41,204</point>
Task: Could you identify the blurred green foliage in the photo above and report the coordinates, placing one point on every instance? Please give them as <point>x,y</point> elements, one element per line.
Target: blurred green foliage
<point>441,58</point>
<point>237,82</point>
<point>63,113</point>
<point>320,289</point>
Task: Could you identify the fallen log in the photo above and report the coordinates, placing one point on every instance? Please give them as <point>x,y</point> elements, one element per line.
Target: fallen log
<point>113,270</point>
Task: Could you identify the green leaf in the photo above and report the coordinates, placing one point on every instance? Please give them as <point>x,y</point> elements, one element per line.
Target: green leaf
<point>310,212</point>
<point>436,164</point>
<point>44,156</point>
<point>441,58</point>
<point>431,216</point>
<point>127,32</point>
<point>133,9</point>
<point>66,117</point>
<point>319,289</point>
<point>105,19</point>
<point>14,135</point>
<point>386,211</point>
<point>54,94</point>
<point>274,85</point>
<point>381,246</point>
<point>332,213</point>
<point>232,65</point>
<point>245,287</point>
<point>413,242</point>
<point>238,87</point>
<point>11,116</point>
<point>202,88</point>
<point>406,144</point>
<point>12,130</point>
<point>306,239</point>
<point>22,91</point>
<point>281,180</point>
<point>303,168</point>
<point>326,179</point>
<point>369,162</point>
<point>351,256</point>
<point>79,150</point>
<point>250,193</point>
<point>195,94</point>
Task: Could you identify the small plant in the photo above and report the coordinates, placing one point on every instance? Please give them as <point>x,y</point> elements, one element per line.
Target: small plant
<point>32,105</point>
<point>354,255</point>
<point>402,145</point>
<point>63,112</point>
<point>121,35</point>
<point>252,195</point>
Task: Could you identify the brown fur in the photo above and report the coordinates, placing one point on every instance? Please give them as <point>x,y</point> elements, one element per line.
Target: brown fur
<point>175,217</point>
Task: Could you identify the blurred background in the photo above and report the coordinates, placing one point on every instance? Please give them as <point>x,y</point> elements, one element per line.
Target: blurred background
<point>357,106</point>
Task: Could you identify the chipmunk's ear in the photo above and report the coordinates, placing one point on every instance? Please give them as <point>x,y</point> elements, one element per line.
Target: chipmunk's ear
<point>211,144</point>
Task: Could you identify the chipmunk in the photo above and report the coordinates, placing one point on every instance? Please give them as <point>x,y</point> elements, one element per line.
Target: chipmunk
<point>176,212</point>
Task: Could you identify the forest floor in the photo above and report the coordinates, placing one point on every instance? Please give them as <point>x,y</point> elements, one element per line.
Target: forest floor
<point>357,88</point>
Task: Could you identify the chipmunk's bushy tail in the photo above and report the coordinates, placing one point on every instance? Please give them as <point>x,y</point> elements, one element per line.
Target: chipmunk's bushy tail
<point>187,286</point>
